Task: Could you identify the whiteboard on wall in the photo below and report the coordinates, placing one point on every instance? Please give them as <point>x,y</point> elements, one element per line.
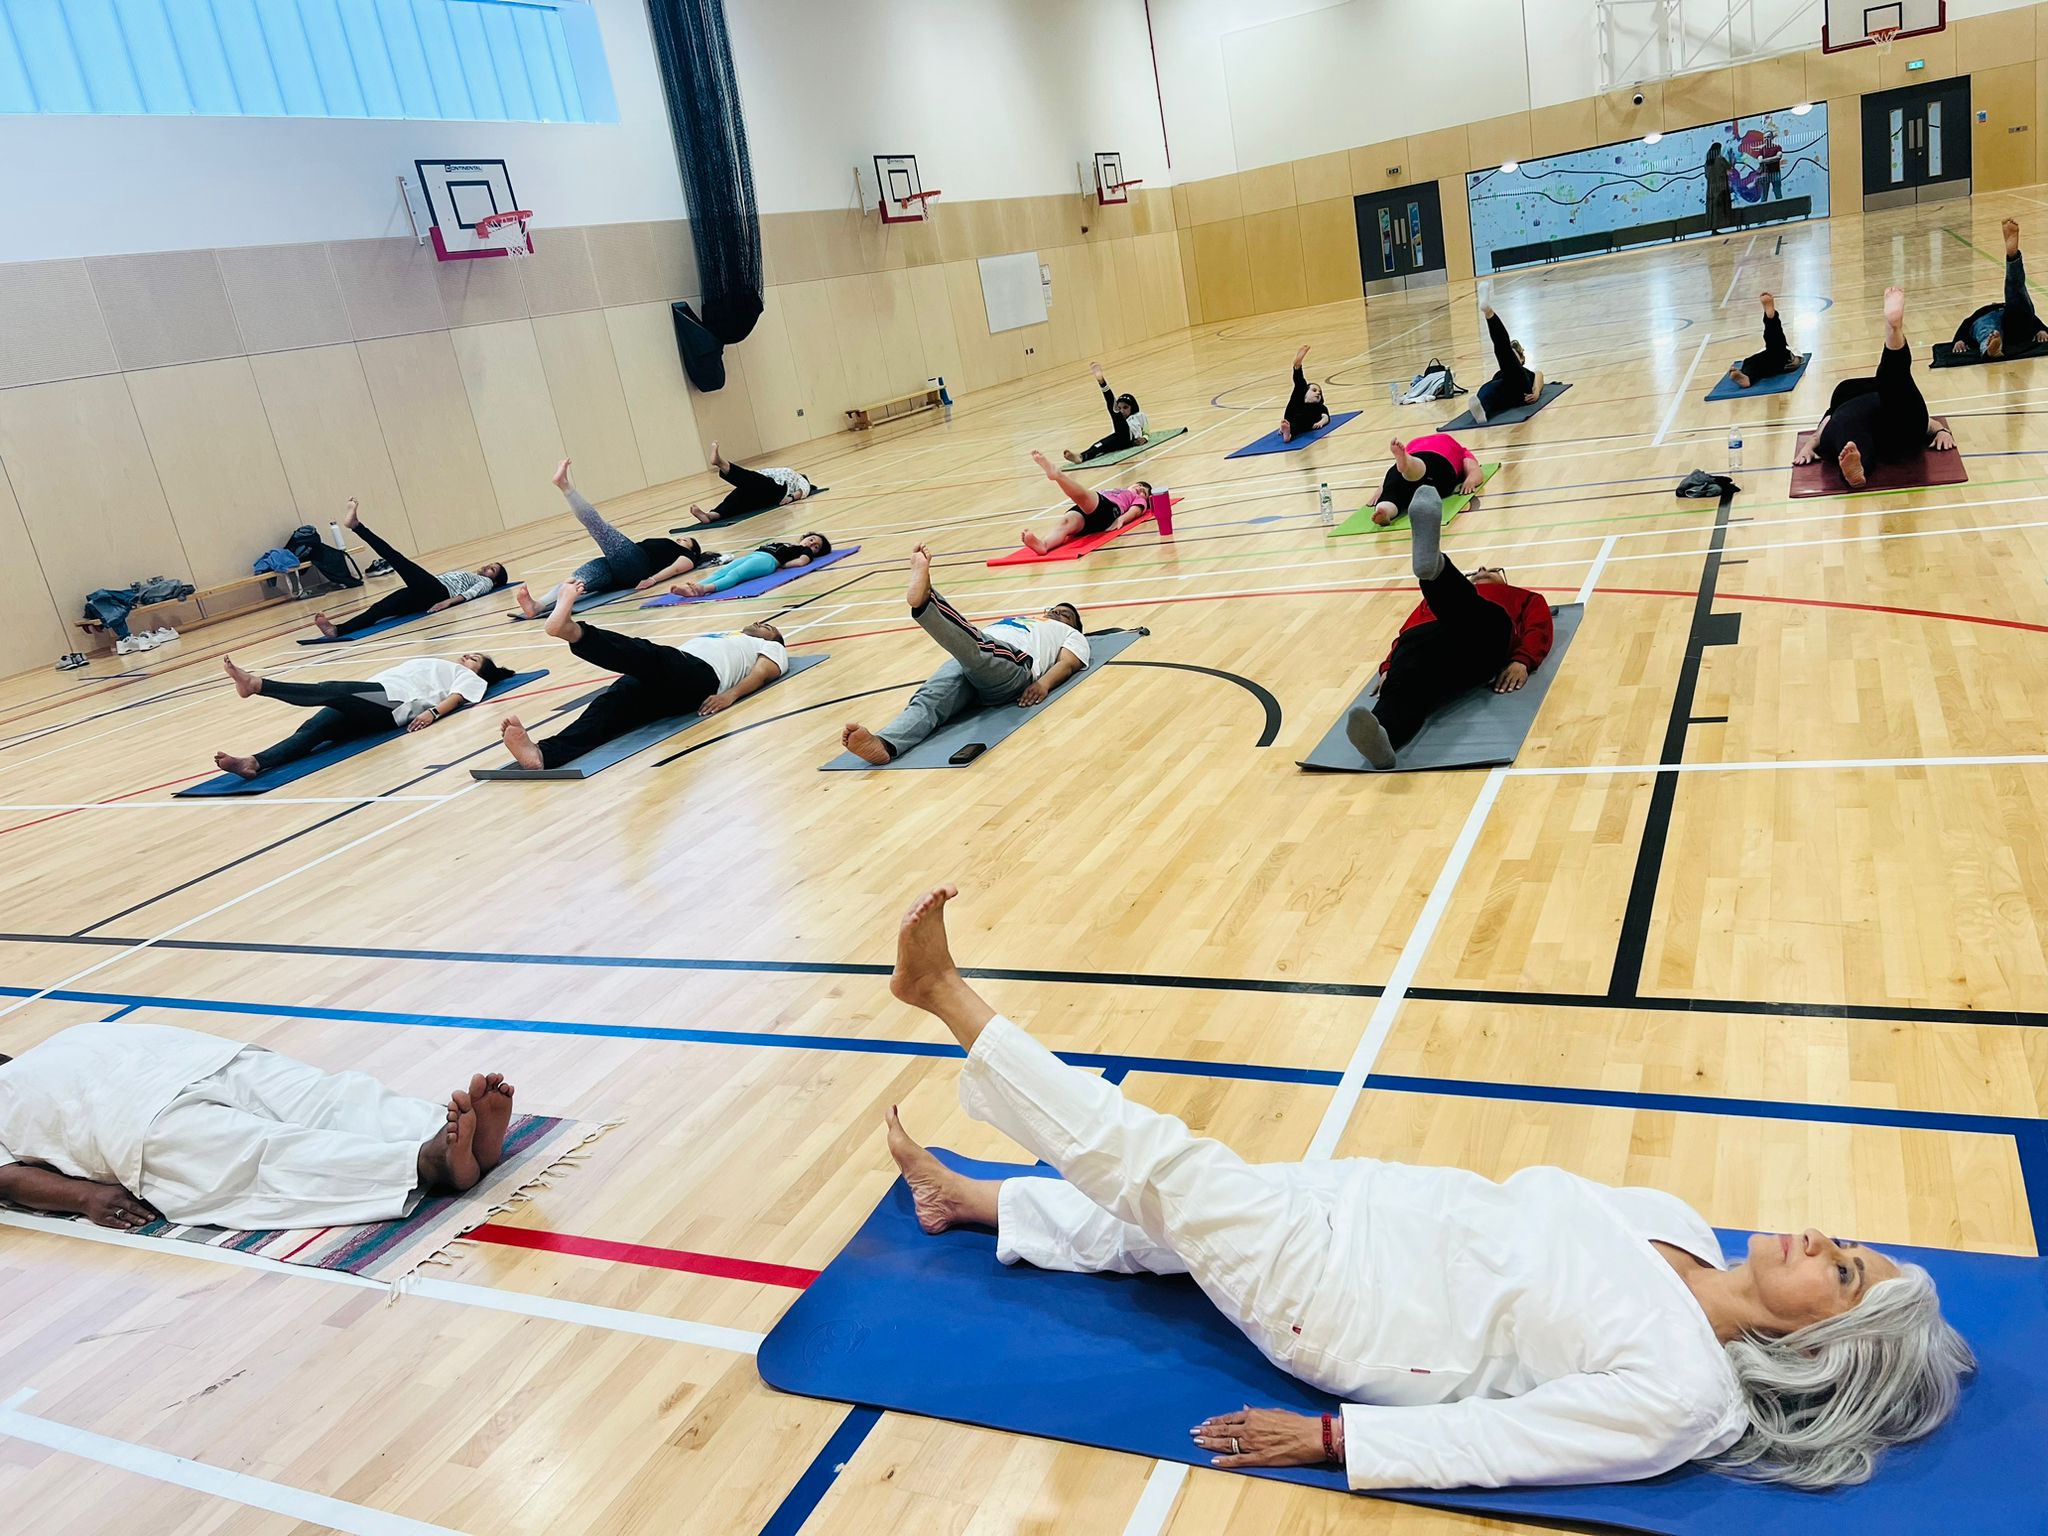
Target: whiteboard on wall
<point>1013,289</point>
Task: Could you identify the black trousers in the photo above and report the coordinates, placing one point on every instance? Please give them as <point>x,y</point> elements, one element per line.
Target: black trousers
<point>1776,357</point>
<point>1892,424</point>
<point>421,591</point>
<point>1119,431</point>
<point>1437,471</point>
<point>1512,379</point>
<point>341,712</point>
<point>1465,645</point>
<point>751,491</point>
<point>654,682</point>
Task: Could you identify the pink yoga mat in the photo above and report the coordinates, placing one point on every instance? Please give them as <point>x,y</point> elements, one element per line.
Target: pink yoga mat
<point>1160,512</point>
<point>1929,468</point>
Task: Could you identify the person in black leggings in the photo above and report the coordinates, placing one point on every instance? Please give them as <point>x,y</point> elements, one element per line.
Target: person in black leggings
<point>655,682</point>
<point>1777,356</point>
<point>1879,419</point>
<point>1305,409</point>
<point>423,592</point>
<point>1126,423</point>
<point>2010,325</point>
<point>1514,382</point>
<point>753,490</point>
<point>413,695</point>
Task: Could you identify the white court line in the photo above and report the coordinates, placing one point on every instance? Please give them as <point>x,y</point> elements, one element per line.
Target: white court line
<point>1786,764</point>
<point>179,805</point>
<point>235,901</point>
<point>1599,561</point>
<point>1155,1504</point>
<point>1352,1084</point>
<point>1678,395</point>
<point>649,1325</point>
<point>201,1477</point>
<point>1735,276</point>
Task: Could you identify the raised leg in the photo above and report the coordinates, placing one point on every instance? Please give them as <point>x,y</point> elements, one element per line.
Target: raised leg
<point>1068,527</point>
<point>1079,494</point>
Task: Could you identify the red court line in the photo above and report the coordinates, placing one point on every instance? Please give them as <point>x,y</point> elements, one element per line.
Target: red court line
<point>645,1254</point>
<point>110,800</point>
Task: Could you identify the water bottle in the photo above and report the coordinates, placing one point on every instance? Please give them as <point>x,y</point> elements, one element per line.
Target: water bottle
<point>1324,507</point>
<point>1393,391</point>
<point>334,530</point>
<point>1734,453</point>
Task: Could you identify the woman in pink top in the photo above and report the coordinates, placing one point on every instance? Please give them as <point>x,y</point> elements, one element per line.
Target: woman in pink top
<point>1439,460</point>
<point>1092,511</point>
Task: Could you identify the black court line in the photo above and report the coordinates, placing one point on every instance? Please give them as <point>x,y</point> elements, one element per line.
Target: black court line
<point>1708,629</point>
<point>821,596</point>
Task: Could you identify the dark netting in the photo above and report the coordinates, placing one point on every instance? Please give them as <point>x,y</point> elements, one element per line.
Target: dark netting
<point>695,55</point>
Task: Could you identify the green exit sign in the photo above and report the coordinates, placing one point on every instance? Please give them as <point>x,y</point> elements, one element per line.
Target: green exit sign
<point>1916,64</point>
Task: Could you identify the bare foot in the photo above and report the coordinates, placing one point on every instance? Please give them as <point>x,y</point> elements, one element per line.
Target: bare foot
<point>1741,379</point>
<point>246,682</point>
<point>1044,463</point>
<point>1072,457</point>
<point>1994,345</point>
<point>524,598</point>
<point>492,1096</point>
<point>326,626</point>
<point>519,742</point>
<point>701,515</point>
<point>1033,542</point>
<point>865,745</point>
<point>1384,513</point>
<point>561,476</point>
<point>352,519</point>
<point>2011,230</point>
<point>924,960</point>
<point>690,589</point>
<point>1770,304</point>
<point>941,1197</point>
<point>719,463</point>
<point>461,1141</point>
<point>240,767</point>
<point>562,622</point>
<point>1894,308</point>
<point>1850,463</point>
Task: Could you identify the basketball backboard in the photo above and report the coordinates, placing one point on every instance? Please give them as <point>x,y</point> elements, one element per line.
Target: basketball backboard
<point>1110,185</point>
<point>902,195</point>
<point>1859,23</point>
<point>459,194</point>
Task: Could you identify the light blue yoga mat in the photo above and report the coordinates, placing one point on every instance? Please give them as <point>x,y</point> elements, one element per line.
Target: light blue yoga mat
<point>1776,384</point>
<point>759,584</point>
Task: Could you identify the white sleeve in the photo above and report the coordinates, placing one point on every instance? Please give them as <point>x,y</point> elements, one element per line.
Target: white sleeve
<point>1077,643</point>
<point>1606,1428</point>
<point>775,655</point>
<point>469,685</point>
<point>6,1156</point>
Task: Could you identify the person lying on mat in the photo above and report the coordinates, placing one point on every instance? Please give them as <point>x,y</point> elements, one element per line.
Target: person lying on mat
<point>762,560</point>
<point>655,682</point>
<point>1446,464</point>
<point>1776,357</point>
<point>1543,1329</point>
<point>1878,420</point>
<point>126,1124</point>
<point>1986,332</point>
<point>414,694</point>
<point>635,563</point>
<point>1126,422</point>
<point>423,592</point>
<point>1305,410</point>
<point>1463,634</point>
<point>1514,382</point>
<point>753,490</point>
<point>1091,512</point>
<point>1013,661</point>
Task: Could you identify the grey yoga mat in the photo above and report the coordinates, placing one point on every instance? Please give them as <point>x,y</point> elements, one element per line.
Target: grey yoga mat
<point>1478,729</point>
<point>1463,421</point>
<point>991,726</point>
<point>619,748</point>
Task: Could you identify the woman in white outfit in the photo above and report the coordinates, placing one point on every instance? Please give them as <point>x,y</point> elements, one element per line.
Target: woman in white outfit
<point>1547,1329</point>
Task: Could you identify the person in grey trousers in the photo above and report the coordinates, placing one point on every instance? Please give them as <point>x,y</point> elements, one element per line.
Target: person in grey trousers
<point>1012,661</point>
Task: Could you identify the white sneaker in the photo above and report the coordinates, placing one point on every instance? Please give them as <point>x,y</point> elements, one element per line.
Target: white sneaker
<point>128,646</point>
<point>163,636</point>
<point>144,642</point>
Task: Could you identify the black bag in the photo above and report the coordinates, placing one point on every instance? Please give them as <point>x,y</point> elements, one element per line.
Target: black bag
<point>702,352</point>
<point>336,566</point>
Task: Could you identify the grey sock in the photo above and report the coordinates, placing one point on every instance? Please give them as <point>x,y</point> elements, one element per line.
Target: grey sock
<point>1426,532</point>
<point>1365,732</point>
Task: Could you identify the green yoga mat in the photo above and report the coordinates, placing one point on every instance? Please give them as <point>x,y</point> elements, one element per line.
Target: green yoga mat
<point>1131,452</point>
<point>1361,520</point>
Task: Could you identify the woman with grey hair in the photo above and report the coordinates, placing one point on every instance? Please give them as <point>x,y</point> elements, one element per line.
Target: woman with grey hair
<point>1546,1329</point>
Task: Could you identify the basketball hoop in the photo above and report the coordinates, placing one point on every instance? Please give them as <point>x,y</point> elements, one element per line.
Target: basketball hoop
<point>1884,37</point>
<point>506,233</point>
<point>916,205</point>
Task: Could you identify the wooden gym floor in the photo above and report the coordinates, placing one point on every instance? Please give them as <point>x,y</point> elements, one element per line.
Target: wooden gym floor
<point>1759,915</point>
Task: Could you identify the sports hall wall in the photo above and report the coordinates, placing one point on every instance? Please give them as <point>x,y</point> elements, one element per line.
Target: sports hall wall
<point>212,329</point>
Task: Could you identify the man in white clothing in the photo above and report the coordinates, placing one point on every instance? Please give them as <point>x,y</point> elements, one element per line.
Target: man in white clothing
<point>130,1123</point>
<point>1017,660</point>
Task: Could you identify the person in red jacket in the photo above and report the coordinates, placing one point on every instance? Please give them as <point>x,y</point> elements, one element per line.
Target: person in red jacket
<point>1461,635</point>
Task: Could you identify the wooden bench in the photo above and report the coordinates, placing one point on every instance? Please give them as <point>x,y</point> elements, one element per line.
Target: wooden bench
<point>245,594</point>
<point>861,417</point>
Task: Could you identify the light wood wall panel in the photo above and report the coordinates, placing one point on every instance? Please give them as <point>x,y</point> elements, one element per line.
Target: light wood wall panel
<point>217,462</point>
<point>781,414</point>
<point>1567,126</point>
<point>1706,97</point>
<point>1763,85</point>
<point>1190,282</point>
<point>1376,167</point>
<point>2040,134</point>
<point>935,332</point>
<point>88,492</point>
<point>1223,270</point>
<point>1936,53</point>
<point>1994,41</point>
<point>1444,152</point>
<point>1850,73</point>
<point>1119,327</point>
<point>1265,189</point>
<point>1616,115</point>
<point>582,379</point>
<point>416,385</point>
<point>814,348</point>
<point>1845,155</point>
<point>1273,251</point>
<point>1214,199</point>
<point>35,633</point>
<point>1497,140</point>
<point>2002,146</point>
<point>329,440</point>
<point>1457,213</point>
<point>726,416</point>
<point>863,379</point>
<point>515,419</point>
<point>903,366</point>
<point>657,399</point>
<point>1323,177</point>
<point>1130,288</point>
<point>1329,251</point>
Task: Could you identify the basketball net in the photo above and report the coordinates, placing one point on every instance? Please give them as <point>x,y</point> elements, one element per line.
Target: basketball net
<point>506,232</point>
<point>1884,37</point>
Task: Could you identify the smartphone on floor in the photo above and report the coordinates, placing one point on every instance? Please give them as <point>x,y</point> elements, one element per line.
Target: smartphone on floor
<point>968,753</point>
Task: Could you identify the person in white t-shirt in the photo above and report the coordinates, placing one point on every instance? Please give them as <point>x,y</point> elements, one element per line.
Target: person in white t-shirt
<point>700,677</point>
<point>1012,661</point>
<point>753,490</point>
<point>412,695</point>
<point>1544,1329</point>
<point>126,1124</point>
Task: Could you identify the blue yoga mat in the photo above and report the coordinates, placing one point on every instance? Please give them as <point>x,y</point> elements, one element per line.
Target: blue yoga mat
<point>1463,422</point>
<point>1272,442</point>
<point>583,604</point>
<point>759,584</point>
<point>1776,384</point>
<point>619,748</point>
<point>402,619</point>
<point>935,1326</point>
<point>326,757</point>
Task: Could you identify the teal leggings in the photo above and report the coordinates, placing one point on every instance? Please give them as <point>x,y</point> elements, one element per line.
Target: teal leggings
<point>746,568</point>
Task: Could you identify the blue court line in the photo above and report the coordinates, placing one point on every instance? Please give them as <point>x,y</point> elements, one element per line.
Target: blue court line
<point>824,1470</point>
<point>120,1013</point>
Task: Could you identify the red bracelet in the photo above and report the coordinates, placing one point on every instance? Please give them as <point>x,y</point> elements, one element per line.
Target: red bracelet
<point>1329,1441</point>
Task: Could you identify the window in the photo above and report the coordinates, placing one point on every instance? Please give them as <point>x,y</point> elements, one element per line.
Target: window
<point>539,61</point>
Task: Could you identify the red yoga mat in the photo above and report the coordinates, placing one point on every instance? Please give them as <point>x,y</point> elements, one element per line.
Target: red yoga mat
<point>1821,478</point>
<point>1160,512</point>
